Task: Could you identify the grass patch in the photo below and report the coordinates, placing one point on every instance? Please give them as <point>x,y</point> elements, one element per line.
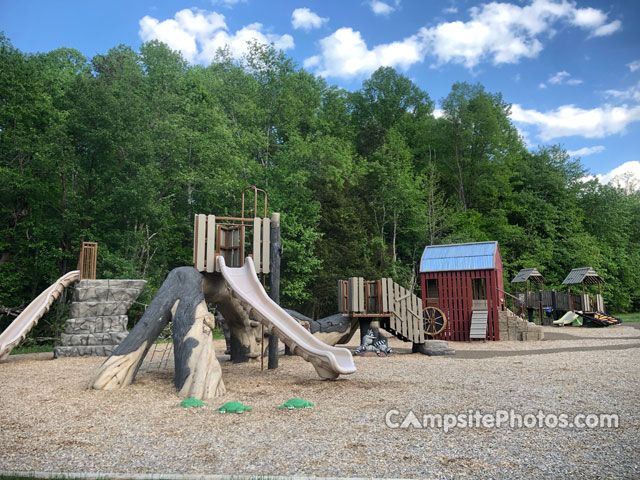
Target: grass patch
<point>22,349</point>
<point>218,334</point>
<point>32,347</point>
<point>628,317</point>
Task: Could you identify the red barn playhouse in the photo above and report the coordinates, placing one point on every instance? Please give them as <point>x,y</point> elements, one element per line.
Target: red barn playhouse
<point>465,282</point>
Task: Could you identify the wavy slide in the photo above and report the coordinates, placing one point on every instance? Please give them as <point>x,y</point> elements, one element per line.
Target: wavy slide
<point>29,317</point>
<point>328,361</point>
<point>567,319</point>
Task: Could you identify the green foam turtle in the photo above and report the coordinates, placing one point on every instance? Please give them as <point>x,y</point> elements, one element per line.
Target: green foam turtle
<point>234,407</point>
<point>296,403</point>
<point>192,402</point>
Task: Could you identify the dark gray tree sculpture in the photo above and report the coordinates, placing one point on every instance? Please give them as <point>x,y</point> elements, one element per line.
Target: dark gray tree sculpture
<point>183,299</point>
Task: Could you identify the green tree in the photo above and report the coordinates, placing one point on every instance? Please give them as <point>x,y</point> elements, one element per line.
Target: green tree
<point>480,147</point>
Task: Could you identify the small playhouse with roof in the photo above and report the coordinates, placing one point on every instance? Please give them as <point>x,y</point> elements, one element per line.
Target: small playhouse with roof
<point>465,282</point>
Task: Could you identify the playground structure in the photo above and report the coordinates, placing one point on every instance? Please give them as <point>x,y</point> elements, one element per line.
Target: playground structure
<point>464,282</point>
<point>226,237</point>
<point>98,318</point>
<point>397,309</point>
<point>235,290</point>
<point>548,306</point>
<point>243,283</point>
<point>462,300</point>
<point>221,276</point>
<point>579,319</point>
<point>22,325</point>
<point>28,318</point>
<point>371,305</point>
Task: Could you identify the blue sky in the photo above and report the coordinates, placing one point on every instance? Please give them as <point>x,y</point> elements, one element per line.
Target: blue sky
<point>571,68</point>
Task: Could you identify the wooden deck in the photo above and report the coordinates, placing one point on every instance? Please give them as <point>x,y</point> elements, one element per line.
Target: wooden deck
<point>398,309</point>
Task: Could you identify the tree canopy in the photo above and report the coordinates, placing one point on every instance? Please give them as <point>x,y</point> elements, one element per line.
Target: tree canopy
<point>125,148</point>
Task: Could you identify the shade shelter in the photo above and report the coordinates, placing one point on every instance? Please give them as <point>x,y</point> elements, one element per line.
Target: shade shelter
<point>527,275</point>
<point>530,302</point>
<point>464,281</point>
<point>585,276</point>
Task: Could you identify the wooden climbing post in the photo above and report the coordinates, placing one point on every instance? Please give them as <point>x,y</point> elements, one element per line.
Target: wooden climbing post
<point>274,283</point>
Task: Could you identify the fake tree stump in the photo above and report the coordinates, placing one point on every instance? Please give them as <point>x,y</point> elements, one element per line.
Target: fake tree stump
<point>183,299</point>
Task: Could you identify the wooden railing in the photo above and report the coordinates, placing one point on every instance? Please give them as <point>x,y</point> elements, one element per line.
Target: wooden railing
<point>558,301</point>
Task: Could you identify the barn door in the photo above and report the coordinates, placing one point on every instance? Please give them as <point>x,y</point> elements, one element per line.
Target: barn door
<point>479,294</point>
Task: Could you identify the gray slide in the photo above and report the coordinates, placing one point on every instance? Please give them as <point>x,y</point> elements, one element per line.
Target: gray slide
<point>329,362</point>
<point>29,317</point>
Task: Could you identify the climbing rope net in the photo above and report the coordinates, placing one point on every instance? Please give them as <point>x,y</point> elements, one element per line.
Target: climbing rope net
<point>160,355</point>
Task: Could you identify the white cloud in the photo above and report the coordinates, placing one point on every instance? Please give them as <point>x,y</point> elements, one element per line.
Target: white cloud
<point>594,20</point>
<point>631,93</point>
<point>542,85</point>
<point>197,34</point>
<point>345,54</point>
<point>497,32</point>
<point>633,66</point>
<point>588,17</point>
<point>506,33</point>
<point>569,120</point>
<point>227,3</point>
<point>382,8</point>
<point>585,151</point>
<point>558,77</point>
<point>312,62</point>
<point>183,31</point>
<point>238,41</point>
<point>306,19</point>
<point>450,10</point>
<point>438,113</point>
<point>607,29</point>
<point>564,77</point>
<point>626,176</point>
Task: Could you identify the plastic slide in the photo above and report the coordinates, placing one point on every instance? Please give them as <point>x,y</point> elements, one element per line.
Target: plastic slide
<point>24,322</point>
<point>567,319</point>
<point>328,361</point>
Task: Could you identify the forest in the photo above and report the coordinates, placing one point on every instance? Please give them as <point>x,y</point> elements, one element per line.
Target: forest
<point>123,149</point>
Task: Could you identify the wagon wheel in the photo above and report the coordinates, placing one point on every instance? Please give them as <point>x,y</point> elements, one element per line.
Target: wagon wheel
<point>433,321</point>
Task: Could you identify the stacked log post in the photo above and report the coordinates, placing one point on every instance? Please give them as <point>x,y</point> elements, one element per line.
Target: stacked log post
<point>274,282</point>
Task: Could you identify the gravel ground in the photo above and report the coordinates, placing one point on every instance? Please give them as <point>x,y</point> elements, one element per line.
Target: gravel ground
<point>51,422</point>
